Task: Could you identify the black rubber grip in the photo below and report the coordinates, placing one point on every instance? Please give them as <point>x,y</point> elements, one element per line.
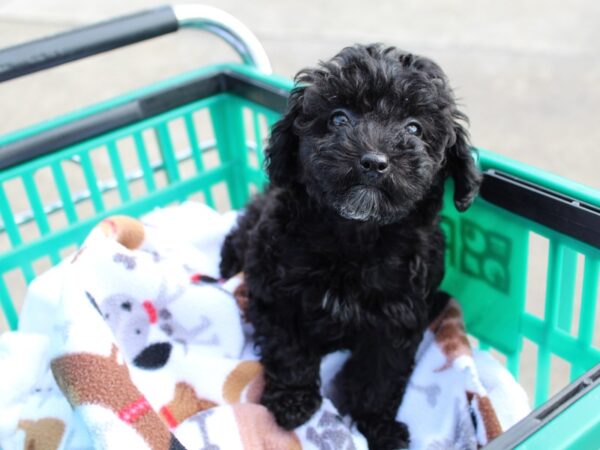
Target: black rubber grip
<point>133,111</point>
<point>85,41</point>
<point>544,206</point>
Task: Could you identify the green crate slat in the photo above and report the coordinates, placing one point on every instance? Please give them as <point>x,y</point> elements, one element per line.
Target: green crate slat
<point>37,206</point>
<point>192,135</point>
<point>142,153</point>
<point>64,192</point>
<point>513,364</point>
<point>38,211</point>
<point>567,290</point>
<point>27,268</point>
<point>167,151</point>
<point>76,233</point>
<point>589,300</point>
<point>260,155</point>
<point>117,167</point>
<point>542,376</point>
<point>92,182</point>
<point>7,306</point>
<point>556,255</point>
<point>8,220</point>
<point>258,139</point>
<point>558,342</point>
<point>228,123</point>
<point>587,315</point>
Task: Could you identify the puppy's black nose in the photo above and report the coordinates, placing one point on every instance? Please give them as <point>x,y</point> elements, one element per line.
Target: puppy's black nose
<point>374,162</point>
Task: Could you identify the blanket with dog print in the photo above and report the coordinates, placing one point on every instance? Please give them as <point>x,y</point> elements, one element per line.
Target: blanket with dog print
<point>134,342</point>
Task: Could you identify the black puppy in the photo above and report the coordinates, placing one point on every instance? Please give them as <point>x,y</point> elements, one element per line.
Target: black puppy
<point>344,250</point>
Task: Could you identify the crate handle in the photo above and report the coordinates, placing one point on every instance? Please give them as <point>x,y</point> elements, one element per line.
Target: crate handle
<point>79,43</point>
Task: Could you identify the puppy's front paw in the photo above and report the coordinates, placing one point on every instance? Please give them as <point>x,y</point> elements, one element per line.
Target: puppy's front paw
<point>384,434</point>
<point>291,407</point>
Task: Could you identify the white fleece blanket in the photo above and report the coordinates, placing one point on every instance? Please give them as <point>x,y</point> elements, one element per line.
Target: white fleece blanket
<point>134,343</point>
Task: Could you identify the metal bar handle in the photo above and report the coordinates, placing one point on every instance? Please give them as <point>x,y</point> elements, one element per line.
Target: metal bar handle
<point>79,43</point>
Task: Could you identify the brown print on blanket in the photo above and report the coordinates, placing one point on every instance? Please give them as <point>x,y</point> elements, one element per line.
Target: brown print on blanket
<point>87,378</point>
<point>126,230</point>
<point>43,434</point>
<point>257,427</point>
<point>247,377</point>
<point>185,404</point>
<point>240,294</point>
<point>450,335</point>
<point>492,426</point>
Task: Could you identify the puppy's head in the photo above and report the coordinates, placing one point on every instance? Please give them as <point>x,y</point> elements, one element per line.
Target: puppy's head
<point>370,133</point>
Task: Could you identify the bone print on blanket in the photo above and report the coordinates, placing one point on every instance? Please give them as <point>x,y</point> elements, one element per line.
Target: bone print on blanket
<point>185,368</point>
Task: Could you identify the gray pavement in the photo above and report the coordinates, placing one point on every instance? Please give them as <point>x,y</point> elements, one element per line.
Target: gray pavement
<point>527,72</point>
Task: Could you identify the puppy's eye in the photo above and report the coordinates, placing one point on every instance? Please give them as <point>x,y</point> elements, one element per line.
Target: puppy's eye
<point>414,128</point>
<point>339,118</point>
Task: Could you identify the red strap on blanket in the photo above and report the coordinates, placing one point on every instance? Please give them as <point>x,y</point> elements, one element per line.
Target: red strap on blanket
<point>197,278</point>
<point>168,415</point>
<point>151,311</point>
<point>130,413</point>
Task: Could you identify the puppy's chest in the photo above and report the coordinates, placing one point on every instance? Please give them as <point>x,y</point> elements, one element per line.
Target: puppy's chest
<point>346,270</point>
<point>366,280</point>
<point>356,294</point>
<point>358,270</point>
<point>336,285</point>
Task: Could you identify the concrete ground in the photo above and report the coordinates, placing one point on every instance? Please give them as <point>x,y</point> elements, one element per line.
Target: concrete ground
<point>526,73</point>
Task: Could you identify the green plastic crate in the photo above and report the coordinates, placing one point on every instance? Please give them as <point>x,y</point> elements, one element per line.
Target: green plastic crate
<point>201,136</point>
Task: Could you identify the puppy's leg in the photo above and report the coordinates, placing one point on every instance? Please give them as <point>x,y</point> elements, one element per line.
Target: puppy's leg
<point>232,253</point>
<point>292,401</point>
<point>235,244</point>
<point>373,382</point>
<point>292,377</point>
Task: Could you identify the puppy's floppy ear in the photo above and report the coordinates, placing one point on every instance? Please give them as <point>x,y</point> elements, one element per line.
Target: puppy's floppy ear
<point>462,167</point>
<point>459,160</point>
<point>282,151</point>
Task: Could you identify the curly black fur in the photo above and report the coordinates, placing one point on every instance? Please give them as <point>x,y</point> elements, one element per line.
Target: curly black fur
<point>344,251</point>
